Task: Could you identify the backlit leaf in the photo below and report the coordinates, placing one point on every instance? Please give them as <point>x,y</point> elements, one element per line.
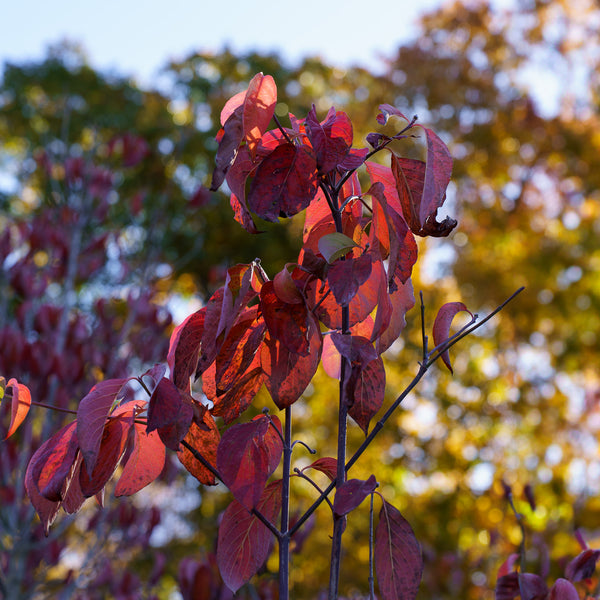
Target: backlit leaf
<point>442,323</point>
<point>259,106</point>
<point>563,590</point>
<point>346,276</point>
<point>331,139</point>
<point>19,404</point>
<point>145,463</point>
<point>205,439</point>
<point>184,347</point>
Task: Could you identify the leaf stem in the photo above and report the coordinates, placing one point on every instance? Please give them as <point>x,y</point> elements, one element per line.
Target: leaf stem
<point>284,537</point>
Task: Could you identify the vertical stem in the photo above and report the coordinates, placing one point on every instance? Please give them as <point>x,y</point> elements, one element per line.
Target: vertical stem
<point>339,523</point>
<point>284,540</point>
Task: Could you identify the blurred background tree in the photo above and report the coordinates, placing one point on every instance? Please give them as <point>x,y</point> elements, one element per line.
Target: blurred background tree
<point>515,94</point>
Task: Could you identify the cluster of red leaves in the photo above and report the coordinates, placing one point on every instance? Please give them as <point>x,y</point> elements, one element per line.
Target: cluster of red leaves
<point>358,252</point>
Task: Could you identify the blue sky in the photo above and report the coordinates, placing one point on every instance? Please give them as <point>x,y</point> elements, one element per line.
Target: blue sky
<point>136,38</point>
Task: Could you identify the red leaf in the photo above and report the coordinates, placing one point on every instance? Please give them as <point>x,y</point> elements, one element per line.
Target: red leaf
<point>237,292</point>
<point>145,463</point>
<point>19,405</point>
<point>398,561</point>
<point>287,323</point>
<point>259,105</point>
<point>204,439</point>
<point>331,139</point>
<point>285,182</point>
<point>184,348</point>
<point>247,456</point>
<point>112,447</point>
<point>51,467</point>
<point>209,345</point>
<point>367,386</point>
<point>287,374</point>
<point>351,493</point>
<point>563,590</point>
<point>285,288</point>
<point>244,542</point>
<point>346,276</point>
<point>326,465</point>
<point>92,415</point>
<point>403,300</point>
<point>583,565</point>
<point>239,350</point>
<point>442,323</point>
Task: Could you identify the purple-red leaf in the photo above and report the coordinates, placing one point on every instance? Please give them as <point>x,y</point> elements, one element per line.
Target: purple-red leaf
<point>247,456</point>
<point>351,493</point>
<point>112,447</point>
<point>244,542</point>
<point>398,560</point>
<point>402,299</point>
<point>583,565</point>
<point>442,323</point>
<point>233,132</point>
<point>91,418</point>
<point>285,182</point>
<point>563,590</point>
<point>330,139</point>
<point>169,414</point>
<point>532,587</point>
<point>346,276</point>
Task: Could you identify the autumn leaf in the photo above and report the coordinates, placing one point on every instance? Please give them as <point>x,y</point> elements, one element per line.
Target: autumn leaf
<point>19,404</point>
<point>204,438</point>
<point>145,463</point>
<point>331,139</point>
<point>441,326</point>
<point>92,415</point>
<point>244,542</point>
<point>247,456</point>
<point>285,182</point>
<point>398,560</point>
<point>351,493</point>
<point>326,465</point>
<point>367,388</point>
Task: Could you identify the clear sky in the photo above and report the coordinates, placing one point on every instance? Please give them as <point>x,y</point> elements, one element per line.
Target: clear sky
<point>136,38</point>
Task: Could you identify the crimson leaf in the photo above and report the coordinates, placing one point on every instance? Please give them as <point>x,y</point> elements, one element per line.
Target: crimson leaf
<point>285,182</point>
<point>247,456</point>
<point>244,542</point>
